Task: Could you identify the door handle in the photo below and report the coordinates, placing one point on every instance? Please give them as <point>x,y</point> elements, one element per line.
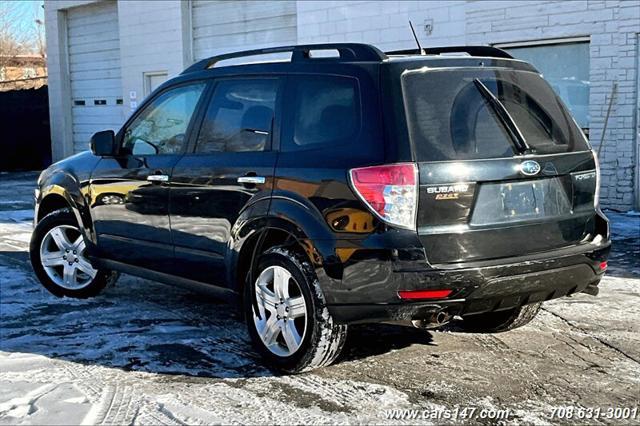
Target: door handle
<point>252,179</point>
<point>257,132</point>
<point>158,178</point>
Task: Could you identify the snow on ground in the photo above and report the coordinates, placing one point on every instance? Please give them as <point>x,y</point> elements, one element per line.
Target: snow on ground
<point>145,353</point>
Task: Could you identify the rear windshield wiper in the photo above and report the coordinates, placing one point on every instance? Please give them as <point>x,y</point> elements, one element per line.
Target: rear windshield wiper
<point>516,135</point>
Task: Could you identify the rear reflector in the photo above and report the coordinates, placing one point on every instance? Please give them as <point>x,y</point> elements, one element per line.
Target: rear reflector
<point>390,191</point>
<point>603,265</point>
<point>424,294</point>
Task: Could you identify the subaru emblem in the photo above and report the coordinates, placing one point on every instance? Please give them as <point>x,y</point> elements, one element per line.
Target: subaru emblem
<point>530,168</point>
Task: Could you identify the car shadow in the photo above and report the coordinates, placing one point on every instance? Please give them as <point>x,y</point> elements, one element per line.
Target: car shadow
<point>141,325</point>
<point>624,259</point>
<point>19,257</point>
<point>367,340</point>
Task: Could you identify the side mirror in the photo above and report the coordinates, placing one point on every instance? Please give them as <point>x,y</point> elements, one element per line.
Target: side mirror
<point>103,143</point>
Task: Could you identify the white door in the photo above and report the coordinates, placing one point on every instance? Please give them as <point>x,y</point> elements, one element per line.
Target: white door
<point>94,68</point>
<point>222,26</point>
<point>153,80</point>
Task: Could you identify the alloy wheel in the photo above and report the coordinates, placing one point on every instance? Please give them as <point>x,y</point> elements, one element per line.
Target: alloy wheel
<point>62,255</point>
<point>281,320</point>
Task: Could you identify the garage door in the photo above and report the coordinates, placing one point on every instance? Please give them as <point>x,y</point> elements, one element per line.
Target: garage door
<point>221,26</point>
<point>94,66</point>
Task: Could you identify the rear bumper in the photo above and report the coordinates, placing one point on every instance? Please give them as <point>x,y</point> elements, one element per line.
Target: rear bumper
<point>486,287</point>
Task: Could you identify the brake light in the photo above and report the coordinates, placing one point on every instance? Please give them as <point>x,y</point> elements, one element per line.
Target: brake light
<point>424,294</point>
<point>390,191</point>
<point>603,265</point>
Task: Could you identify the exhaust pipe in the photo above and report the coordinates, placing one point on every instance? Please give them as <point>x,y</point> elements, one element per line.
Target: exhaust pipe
<point>437,319</point>
<point>442,317</point>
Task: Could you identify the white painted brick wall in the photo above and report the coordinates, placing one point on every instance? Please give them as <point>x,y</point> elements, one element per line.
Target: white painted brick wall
<point>612,27</point>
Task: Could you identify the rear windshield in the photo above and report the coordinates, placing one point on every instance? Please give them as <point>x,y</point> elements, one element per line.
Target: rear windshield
<point>450,118</point>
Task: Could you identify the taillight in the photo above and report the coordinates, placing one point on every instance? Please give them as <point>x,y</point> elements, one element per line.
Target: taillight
<point>596,196</point>
<point>390,191</point>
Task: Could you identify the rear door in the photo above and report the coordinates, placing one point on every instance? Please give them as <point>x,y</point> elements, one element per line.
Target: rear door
<point>504,169</point>
<point>231,165</point>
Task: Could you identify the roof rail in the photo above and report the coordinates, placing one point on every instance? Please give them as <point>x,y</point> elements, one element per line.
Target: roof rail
<point>489,51</point>
<point>349,52</point>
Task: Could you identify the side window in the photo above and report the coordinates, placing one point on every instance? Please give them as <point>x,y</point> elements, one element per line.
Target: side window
<point>239,117</point>
<point>162,126</point>
<point>325,111</point>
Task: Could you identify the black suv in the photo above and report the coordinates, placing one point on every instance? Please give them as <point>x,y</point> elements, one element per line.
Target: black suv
<point>343,185</point>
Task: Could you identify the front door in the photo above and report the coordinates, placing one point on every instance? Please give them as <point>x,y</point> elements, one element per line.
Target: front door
<point>230,166</point>
<point>130,192</point>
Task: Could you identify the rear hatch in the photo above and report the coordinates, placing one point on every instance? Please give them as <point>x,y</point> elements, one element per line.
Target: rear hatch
<point>504,170</point>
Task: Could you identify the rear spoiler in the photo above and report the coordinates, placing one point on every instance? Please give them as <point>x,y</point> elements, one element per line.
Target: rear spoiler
<point>484,51</point>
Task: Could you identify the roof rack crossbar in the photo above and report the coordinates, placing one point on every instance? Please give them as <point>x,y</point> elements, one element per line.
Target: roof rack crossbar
<point>349,52</point>
<point>489,51</point>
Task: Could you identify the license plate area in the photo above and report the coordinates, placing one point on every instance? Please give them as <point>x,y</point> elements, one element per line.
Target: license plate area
<point>521,201</point>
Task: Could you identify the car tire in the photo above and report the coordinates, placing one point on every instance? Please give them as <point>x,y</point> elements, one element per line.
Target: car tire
<point>497,322</point>
<point>66,271</point>
<point>287,340</point>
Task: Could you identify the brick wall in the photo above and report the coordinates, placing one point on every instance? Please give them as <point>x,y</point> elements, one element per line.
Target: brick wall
<point>612,27</point>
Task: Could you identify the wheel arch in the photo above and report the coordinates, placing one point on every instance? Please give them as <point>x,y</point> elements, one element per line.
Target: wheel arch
<point>293,228</point>
<point>62,190</point>
<point>50,203</point>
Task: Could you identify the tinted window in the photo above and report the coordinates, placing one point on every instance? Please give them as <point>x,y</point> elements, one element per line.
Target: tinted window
<point>239,117</point>
<point>161,127</point>
<point>326,111</point>
<point>450,119</point>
